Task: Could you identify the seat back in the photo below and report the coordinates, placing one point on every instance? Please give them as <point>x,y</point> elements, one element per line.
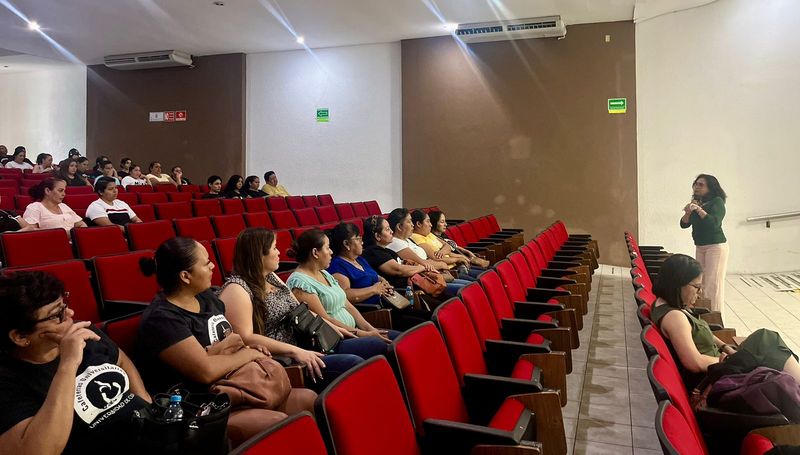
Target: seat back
<point>120,278</point>
<point>655,344</point>
<point>675,433</point>
<point>360,209</point>
<point>258,219</point>
<point>296,434</point>
<point>668,385</point>
<point>283,241</point>
<point>382,417</point>
<point>206,207</point>
<point>284,219</point>
<point>216,274</point>
<point>7,197</point>
<point>327,214</point>
<point>173,210</point>
<point>462,343</point>
<point>79,201</point>
<point>306,217</point>
<point>511,283</point>
<point>498,298</point>
<point>325,199</point>
<point>422,360</point>
<point>28,248</point>
<point>149,236</point>
<point>255,204</point>
<point>311,201</point>
<point>345,211</point>
<point>228,225</point>
<point>373,208</point>
<point>454,233</point>
<point>165,188</point>
<point>97,241</point>
<point>190,188</point>
<point>480,313</point>
<point>231,206</point>
<point>358,222</point>
<point>128,198</point>
<point>179,197</point>
<point>520,265</point>
<point>145,212</point>
<point>139,189</point>
<point>198,228</point>
<point>123,331</point>
<point>152,198</point>
<point>277,203</point>
<point>295,202</point>
<point>225,249</point>
<point>76,280</point>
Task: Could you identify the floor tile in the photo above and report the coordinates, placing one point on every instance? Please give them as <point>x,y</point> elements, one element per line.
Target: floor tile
<point>645,438</point>
<point>598,431</point>
<point>598,448</point>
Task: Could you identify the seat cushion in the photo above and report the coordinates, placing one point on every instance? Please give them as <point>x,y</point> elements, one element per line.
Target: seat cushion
<point>535,338</point>
<point>508,415</point>
<point>545,318</point>
<point>527,371</point>
<point>756,444</point>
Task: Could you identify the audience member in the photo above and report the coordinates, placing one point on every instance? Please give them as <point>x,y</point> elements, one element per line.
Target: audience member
<point>177,176</point>
<point>53,372</point>
<point>107,168</point>
<point>125,167</point>
<point>214,187</point>
<point>439,226</point>
<point>251,187</point>
<point>233,188</point>
<point>311,284</point>
<point>73,154</point>
<point>257,303</point>
<point>83,167</point>
<point>4,155</point>
<point>435,248</point>
<point>48,212</point>
<point>107,210</point>
<point>97,170</point>
<point>44,163</point>
<point>18,160</point>
<point>271,186</point>
<point>377,237</point>
<point>155,176</point>
<point>68,170</point>
<point>135,177</point>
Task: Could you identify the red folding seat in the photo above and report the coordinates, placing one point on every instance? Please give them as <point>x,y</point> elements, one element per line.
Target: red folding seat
<point>283,241</point>
<point>122,285</point>
<point>675,433</point>
<point>255,204</point>
<point>81,189</point>
<point>149,236</point>
<point>7,198</point>
<point>345,211</point>
<point>546,289</point>
<point>570,270</point>
<point>152,198</point>
<point>173,210</point>
<point>11,183</point>
<point>568,250</point>
<point>75,277</point>
<point>216,274</point>
<point>21,201</point>
<point>225,249</point>
<point>327,214</point>
<point>198,228</point>
<point>297,434</point>
<point>175,196</point>
<point>530,372</point>
<point>198,195</point>
<point>8,173</point>
<point>449,422</point>
<point>373,208</point>
<point>277,203</point>
<point>98,241</point>
<point>551,255</point>
<point>139,189</point>
<point>231,206</point>
<point>284,219</point>
<point>311,201</point>
<point>35,247</point>
<point>206,207</point>
<point>295,202</point>
<point>258,219</point>
<point>79,201</point>
<point>228,225</point>
<point>189,188</point>
<point>128,198</point>
<point>359,209</point>
<point>325,199</point>
<point>29,182</point>
<point>383,417</point>
<point>38,177</point>
<point>297,232</point>
<point>145,212</point>
<point>123,331</point>
<point>306,217</point>
<point>165,188</point>
<point>327,226</point>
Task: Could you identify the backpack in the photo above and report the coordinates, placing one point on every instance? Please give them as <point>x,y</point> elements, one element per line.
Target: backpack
<point>762,391</point>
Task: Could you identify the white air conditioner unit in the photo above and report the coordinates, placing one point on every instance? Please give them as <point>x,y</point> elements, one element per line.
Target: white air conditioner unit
<point>538,27</point>
<point>148,60</point>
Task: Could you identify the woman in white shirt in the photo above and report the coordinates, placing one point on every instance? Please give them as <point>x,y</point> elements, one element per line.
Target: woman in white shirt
<point>17,160</point>
<point>135,177</point>
<point>108,210</point>
<point>48,212</point>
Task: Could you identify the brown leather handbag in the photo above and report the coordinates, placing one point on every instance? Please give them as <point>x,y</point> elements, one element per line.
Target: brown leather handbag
<point>431,283</point>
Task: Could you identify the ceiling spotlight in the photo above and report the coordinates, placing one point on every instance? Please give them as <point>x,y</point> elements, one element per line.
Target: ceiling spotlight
<point>33,25</point>
<point>451,27</point>
<point>300,40</point>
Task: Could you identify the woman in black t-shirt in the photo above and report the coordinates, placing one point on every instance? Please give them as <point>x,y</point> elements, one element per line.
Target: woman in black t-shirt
<point>64,386</point>
<point>377,235</point>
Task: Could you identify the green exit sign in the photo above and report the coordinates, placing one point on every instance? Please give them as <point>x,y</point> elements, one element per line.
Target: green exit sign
<point>617,105</point>
<point>323,115</point>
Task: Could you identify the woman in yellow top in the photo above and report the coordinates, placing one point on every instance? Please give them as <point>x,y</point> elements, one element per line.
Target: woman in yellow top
<point>439,250</point>
<point>155,177</point>
<point>271,186</point>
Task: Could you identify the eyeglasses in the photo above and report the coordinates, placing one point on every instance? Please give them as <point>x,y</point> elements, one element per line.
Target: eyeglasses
<point>699,287</point>
<point>61,316</point>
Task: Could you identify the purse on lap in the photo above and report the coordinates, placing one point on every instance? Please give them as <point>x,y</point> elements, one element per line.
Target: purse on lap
<point>312,331</point>
<point>395,300</point>
<point>431,283</point>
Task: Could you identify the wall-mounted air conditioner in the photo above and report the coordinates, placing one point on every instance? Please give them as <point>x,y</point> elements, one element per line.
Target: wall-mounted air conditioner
<point>539,27</point>
<point>148,60</point>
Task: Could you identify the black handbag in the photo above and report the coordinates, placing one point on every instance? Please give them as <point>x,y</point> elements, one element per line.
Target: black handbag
<point>312,331</point>
<point>203,429</point>
<point>7,222</point>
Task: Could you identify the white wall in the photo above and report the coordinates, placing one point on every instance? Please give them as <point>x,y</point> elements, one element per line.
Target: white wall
<point>357,155</point>
<point>717,91</point>
<point>44,110</point>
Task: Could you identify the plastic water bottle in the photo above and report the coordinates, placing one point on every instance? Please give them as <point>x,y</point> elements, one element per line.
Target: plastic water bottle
<point>410,295</point>
<point>174,412</point>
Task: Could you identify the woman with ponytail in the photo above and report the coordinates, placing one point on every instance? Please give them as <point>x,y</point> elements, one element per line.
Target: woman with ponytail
<point>48,212</point>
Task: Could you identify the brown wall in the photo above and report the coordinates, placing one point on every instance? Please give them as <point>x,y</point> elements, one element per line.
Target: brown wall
<point>521,129</point>
<point>212,139</point>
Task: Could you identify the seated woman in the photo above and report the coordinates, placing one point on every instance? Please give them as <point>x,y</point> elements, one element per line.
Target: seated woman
<point>18,161</point>
<point>48,212</point>
<point>257,303</point>
<point>135,177</point>
<point>214,188</point>
<point>251,187</point>
<point>438,228</point>
<point>311,284</point>
<point>44,163</point>
<point>155,177</point>
<point>184,331</point>
<point>108,210</point>
<point>68,171</point>
<point>677,286</point>
<point>107,170</point>
<point>377,238</point>
<point>55,375</point>
<point>125,165</point>
<point>177,175</point>
<point>435,248</point>
<point>233,189</point>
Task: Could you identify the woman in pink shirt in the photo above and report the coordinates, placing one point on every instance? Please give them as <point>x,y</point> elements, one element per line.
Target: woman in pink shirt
<point>48,212</point>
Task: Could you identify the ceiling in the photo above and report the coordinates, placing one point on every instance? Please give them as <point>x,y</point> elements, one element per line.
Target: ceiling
<point>90,29</point>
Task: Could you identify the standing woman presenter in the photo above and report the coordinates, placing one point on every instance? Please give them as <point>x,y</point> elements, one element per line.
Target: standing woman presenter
<point>705,214</point>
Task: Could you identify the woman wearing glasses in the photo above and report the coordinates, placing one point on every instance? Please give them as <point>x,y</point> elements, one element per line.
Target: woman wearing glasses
<point>64,386</point>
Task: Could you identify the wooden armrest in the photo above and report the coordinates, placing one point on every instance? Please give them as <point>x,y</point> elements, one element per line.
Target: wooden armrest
<point>506,450</point>
<point>781,435</point>
<point>554,371</point>
<point>713,317</point>
<point>560,341</point>
<point>726,335</point>
<point>380,319</point>
<point>546,408</point>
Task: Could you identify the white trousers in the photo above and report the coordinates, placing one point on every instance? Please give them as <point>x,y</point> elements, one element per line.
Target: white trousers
<point>714,259</point>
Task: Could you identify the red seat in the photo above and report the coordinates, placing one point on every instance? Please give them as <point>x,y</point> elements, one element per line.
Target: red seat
<point>674,432</point>
<point>255,204</point>
<point>75,277</point>
<point>21,201</point>
<point>258,219</point>
<point>119,279</point>
<point>216,274</point>
<point>283,241</point>
<point>206,207</point>
<point>145,212</point>
<point>297,232</point>
<point>80,190</point>
<point>123,331</point>
<point>79,201</point>
<point>359,209</point>
<point>345,211</point>
<point>373,208</point>
<point>277,203</point>
<point>165,188</point>
<point>297,434</point>
<point>358,222</point>
<point>228,225</point>
<point>129,198</point>
<point>152,198</point>
<point>173,210</point>
<point>284,219</point>
<point>325,199</point>
<point>311,201</point>
<point>98,241</point>
<point>149,236</point>
<point>175,196</point>
<point>7,198</point>
<point>139,189</point>
<point>189,188</point>
<point>225,250</point>
<point>231,206</point>
<point>306,217</point>
<point>668,385</point>
<point>198,228</point>
<point>295,202</point>
<point>383,417</point>
<point>327,214</point>
<point>35,247</point>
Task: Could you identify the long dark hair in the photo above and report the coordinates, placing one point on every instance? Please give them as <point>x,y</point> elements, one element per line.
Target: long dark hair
<point>308,241</point>
<point>676,272</point>
<point>714,188</point>
<point>231,185</point>
<point>172,257</point>
<point>372,226</point>
<point>396,217</point>
<point>341,233</point>
<point>252,245</point>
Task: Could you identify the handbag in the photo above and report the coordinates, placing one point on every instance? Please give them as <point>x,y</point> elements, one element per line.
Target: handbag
<point>261,383</point>
<point>7,222</point>
<point>312,331</point>
<point>395,300</point>
<point>431,282</point>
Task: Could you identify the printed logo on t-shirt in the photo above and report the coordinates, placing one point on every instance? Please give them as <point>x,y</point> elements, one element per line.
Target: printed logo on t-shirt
<point>100,388</point>
<point>218,328</point>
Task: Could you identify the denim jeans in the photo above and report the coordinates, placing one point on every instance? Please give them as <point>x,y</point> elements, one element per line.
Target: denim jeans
<point>454,286</point>
<point>335,365</point>
<point>365,347</point>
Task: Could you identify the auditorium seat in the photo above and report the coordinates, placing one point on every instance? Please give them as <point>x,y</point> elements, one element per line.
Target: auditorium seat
<point>216,274</point>
<point>284,219</point>
<point>295,202</point>
<point>165,188</point>
<point>297,434</point>
<point>123,331</point>
<point>98,241</point>
<point>373,208</point>
<point>189,188</point>
<point>81,189</point>
<point>173,210</point>
<point>21,201</point>
<point>255,204</point>
<point>297,232</point>
<point>359,209</point>
<point>311,201</point>
<point>152,198</point>
<point>325,199</point>
<point>231,206</point>
<point>7,198</point>
<point>129,198</point>
<point>198,228</point>
<point>675,433</point>
<point>277,203</point>
<point>283,241</point>
<point>225,251</point>
<point>228,225</point>
<point>548,289</point>
<point>75,277</point>
<point>139,189</point>
<point>258,219</point>
<point>345,211</point>
<point>149,236</point>
<point>206,207</point>
<point>175,196</point>
<point>35,247</point>
<point>327,214</point>
<point>359,222</point>
<point>306,217</point>
<point>123,288</point>
<point>145,212</point>
<point>79,201</point>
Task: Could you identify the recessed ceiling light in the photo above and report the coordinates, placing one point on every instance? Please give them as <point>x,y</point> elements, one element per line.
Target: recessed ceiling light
<point>451,27</point>
<point>33,25</point>
<point>300,40</point>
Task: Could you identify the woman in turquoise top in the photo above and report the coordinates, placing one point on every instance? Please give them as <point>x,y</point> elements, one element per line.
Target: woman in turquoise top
<point>311,284</point>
